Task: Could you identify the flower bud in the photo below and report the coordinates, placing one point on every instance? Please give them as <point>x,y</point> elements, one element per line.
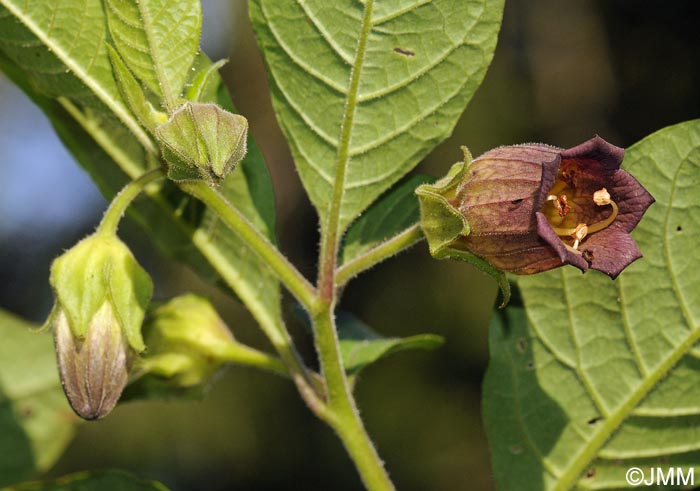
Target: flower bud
<point>202,141</point>
<point>530,208</point>
<point>187,342</point>
<point>101,296</point>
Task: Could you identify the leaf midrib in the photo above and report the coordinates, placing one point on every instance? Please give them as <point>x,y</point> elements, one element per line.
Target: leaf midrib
<point>615,419</point>
<point>343,153</point>
<point>91,83</point>
<point>158,67</point>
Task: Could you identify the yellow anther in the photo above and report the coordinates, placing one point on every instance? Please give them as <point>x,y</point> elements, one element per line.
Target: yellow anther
<point>602,197</point>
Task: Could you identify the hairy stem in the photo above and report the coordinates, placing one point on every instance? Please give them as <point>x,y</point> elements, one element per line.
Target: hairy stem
<point>345,417</point>
<point>123,199</point>
<point>234,219</point>
<point>377,254</point>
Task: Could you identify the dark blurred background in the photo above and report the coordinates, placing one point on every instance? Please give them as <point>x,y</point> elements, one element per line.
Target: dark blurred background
<point>563,71</point>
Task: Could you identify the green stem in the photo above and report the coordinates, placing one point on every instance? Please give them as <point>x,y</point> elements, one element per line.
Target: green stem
<point>345,418</point>
<point>285,271</point>
<point>377,254</point>
<point>308,386</point>
<point>245,355</point>
<point>115,212</point>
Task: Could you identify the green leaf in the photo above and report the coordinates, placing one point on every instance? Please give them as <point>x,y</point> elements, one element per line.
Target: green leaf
<point>370,87</point>
<point>158,40</point>
<point>603,375</point>
<point>61,48</point>
<point>100,136</point>
<point>131,92</point>
<point>206,81</point>
<point>360,346</point>
<point>36,423</point>
<point>92,481</point>
<point>393,213</point>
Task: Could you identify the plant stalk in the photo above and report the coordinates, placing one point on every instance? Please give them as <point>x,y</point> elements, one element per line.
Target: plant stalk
<point>377,254</point>
<point>115,212</point>
<point>290,277</point>
<point>345,417</point>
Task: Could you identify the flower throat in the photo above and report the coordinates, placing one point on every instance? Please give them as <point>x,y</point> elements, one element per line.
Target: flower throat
<point>565,212</point>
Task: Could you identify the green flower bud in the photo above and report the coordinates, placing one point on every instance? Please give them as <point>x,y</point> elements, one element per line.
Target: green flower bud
<point>187,342</point>
<point>101,296</point>
<point>202,141</point>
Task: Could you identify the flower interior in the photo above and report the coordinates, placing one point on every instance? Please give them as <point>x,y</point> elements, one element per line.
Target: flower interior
<point>574,212</point>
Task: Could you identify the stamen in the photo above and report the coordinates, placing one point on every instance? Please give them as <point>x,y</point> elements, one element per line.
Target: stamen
<point>560,203</point>
<point>579,234</point>
<point>601,197</point>
<point>564,206</point>
<point>596,227</point>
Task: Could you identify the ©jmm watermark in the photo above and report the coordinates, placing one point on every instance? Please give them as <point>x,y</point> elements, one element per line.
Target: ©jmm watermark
<point>657,476</point>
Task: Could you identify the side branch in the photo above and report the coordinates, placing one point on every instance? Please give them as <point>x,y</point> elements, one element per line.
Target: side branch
<point>290,277</point>
<point>377,254</point>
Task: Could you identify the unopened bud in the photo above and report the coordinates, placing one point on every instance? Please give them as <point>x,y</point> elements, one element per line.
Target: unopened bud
<point>101,296</point>
<point>187,342</point>
<point>202,141</point>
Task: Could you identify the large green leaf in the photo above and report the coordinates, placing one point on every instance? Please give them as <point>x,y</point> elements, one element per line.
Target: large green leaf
<point>92,481</point>
<point>36,423</point>
<point>603,375</point>
<point>61,47</point>
<point>370,86</point>
<point>158,40</point>
<point>46,56</point>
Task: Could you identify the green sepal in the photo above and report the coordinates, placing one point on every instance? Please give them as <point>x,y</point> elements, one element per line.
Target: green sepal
<point>443,224</point>
<point>79,282</point>
<point>130,289</point>
<point>97,269</point>
<point>187,341</point>
<point>440,221</point>
<point>132,93</point>
<point>202,140</point>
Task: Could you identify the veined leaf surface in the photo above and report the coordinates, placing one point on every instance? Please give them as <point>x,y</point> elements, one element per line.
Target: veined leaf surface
<point>363,90</point>
<point>603,375</point>
<point>158,40</point>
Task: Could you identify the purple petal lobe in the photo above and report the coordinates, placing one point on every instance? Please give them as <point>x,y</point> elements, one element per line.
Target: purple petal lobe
<point>611,251</point>
<point>544,230</point>
<point>597,151</point>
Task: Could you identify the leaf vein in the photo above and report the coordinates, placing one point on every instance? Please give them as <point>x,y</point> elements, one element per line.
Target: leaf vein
<point>108,99</point>
<point>399,12</point>
<point>297,60</point>
<point>325,34</point>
